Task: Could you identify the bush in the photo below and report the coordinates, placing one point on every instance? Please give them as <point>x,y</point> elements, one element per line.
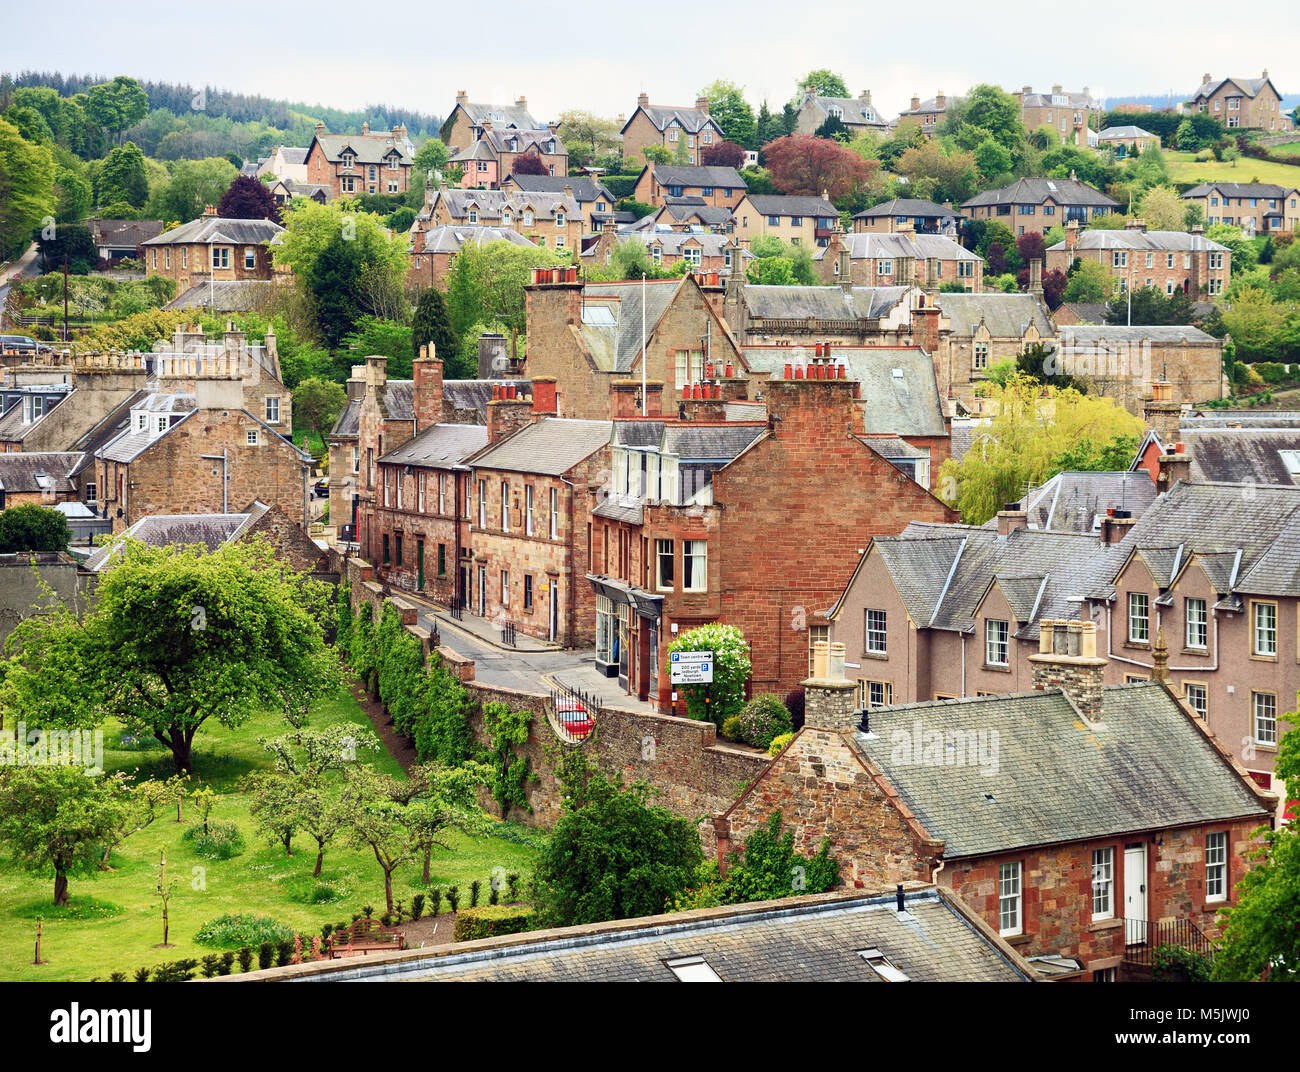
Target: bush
<point>794,703</point>
<point>245,959</point>
<point>227,962</point>
<point>778,744</point>
<point>220,841</point>
<point>243,929</point>
<point>417,906</point>
<point>1172,964</point>
<point>453,896</point>
<point>265,954</point>
<point>490,921</point>
<point>284,953</point>
<point>763,719</point>
<point>436,898</point>
<point>731,728</point>
<point>474,887</point>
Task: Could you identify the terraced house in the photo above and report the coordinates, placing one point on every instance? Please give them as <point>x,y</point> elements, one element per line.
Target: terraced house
<point>806,221</point>
<point>552,220</point>
<point>1255,207</point>
<point>365,163</point>
<point>682,130</point>
<point>468,120</point>
<point>900,259</point>
<point>1135,257</point>
<point>487,162</point>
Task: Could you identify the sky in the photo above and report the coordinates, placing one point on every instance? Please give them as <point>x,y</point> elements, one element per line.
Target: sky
<point>599,57</point>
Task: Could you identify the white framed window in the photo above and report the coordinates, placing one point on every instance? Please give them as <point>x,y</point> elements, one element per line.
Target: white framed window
<point>692,970</point>
<point>1197,698</point>
<point>664,565</point>
<point>981,355</point>
<point>528,509</point>
<point>252,437</point>
<point>221,257</point>
<point>1010,917</point>
<point>1139,628</point>
<point>1103,883</point>
<point>1264,709</point>
<point>528,219</point>
<point>883,966</point>
<point>876,633</point>
<point>442,493</point>
<point>880,693</point>
<point>555,514</point>
<point>1197,628</point>
<point>505,588</point>
<point>1216,866</point>
<point>250,258</point>
<point>816,633</point>
<point>161,424</point>
<point>419,492</point>
<point>884,267</point>
<point>694,565</point>
<point>482,504</point>
<point>996,637</point>
<point>559,219</point>
<point>356,458</point>
<point>1265,629</point>
<point>272,409</point>
<point>505,506</point>
<point>473,215</point>
<point>399,480</point>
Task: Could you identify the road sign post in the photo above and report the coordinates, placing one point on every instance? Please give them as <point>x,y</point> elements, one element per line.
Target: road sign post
<point>691,668</point>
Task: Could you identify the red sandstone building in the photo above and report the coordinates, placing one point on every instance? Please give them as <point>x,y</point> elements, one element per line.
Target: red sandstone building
<point>365,163</point>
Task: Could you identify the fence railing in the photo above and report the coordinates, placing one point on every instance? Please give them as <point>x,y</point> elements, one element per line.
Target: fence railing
<point>575,710</point>
<point>508,634</point>
<point>1142,938</point>
<point>456,608</point>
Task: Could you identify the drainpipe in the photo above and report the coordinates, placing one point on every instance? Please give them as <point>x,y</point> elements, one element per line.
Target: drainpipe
<point>963,663</point>
<point>573,494</point>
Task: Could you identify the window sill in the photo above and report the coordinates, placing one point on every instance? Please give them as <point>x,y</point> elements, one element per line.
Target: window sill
<point>1203,652</point>
<point>1264,658</point>
<point>1259,746</point>
<point>1105,924</point>
<point>997,668</point>
<point>1138,645</point>
<point>1016,939</point>
<point>879,656</point>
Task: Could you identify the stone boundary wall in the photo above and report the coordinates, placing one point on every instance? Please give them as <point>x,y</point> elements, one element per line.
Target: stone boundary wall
<point>695,775</point>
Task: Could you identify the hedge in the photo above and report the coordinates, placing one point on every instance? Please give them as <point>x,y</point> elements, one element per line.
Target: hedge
<point>490,921</point>
<point>620,186</point>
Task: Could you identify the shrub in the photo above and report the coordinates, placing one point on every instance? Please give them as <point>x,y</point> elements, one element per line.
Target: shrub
<point>386,920</point>
<point>220,841</point>
<point>227,962</point>
<point>245,959</point>
<point>794,702</point>
<point>265,954</point>
<point>436,897</point>
<point>367,911</point>
<point>453,896</point>
<point>117,977</point>
<point>417,906</point>
<point>474,887</point>
<point>731,667</point>
<point>211,965</point>
<point>731,727</point>
<point>493,896</point>
<point>141,975</point>
<point>284,952</point>
<point>1173,964</point>
<point>778,744</point>
<point>242,929</point>
<point>512,885</point>
<point>764,719</point>
<point>490,921</point>
<point>177,971</point>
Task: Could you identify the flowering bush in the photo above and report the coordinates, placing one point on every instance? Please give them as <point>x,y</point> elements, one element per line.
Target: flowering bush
<point>764,719</point>
<point>726,696</point>
<point>778,744</point>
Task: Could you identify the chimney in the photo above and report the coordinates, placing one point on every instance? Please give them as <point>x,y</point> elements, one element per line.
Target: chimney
<point>1175,465</point>
<point>365,128</point>
<point>829,698</point>
<point>492,359</point>
<point>926,326</point>
<point>507,412</point>
<point>846,270</point>
<point>932,274</point>
<point>427,389</point>
<point>643,100</point>
<point>356,386</point>
<point>1137,224</point>
<point>399,132</point>
<point>376,371</point>
<point>865,97</point>
<point>213,393</point>
<point>1010,518</point>
<point>1036,277</point>
<point>702,104</point>
<point>545,400</point>
<point>1115,525</point>
<point>462,97</point>
<point>940,101</point>
<point>1056,89</point>
<point>1162,414</point>
<point>1072,236</point>
<point>916,102</point>
<point>320,128</point>
<point>1025,92</point>
<point>1067,660</point>
<point>209,210</point>
<point>522,102</point>
<point>1160,659</point>
<point>1205,77</point>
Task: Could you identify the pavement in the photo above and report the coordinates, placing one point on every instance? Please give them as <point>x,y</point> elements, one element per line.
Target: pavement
<point>534,665</point>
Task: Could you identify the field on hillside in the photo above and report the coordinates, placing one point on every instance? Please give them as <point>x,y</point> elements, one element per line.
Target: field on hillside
<point>1183,167</point>
<point>113,921</point>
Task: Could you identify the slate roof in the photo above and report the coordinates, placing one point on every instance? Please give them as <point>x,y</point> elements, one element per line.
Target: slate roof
<point>1005,315</point>
<point>898,383</point>
<point>123,233</point>
<point>226,296</point>
<point>1163,241</point>
<point>550,447</point>
<point>113,425</point>
<point>158,530</point>
<point>443,446</point>
<point>907,206</point>
<point>709,442</point>
<point>398,402</point>
<point>822,303</point>
<point>799,939</point>
<point>854,110</point>
<point>870,245</point>
<point>1250,86</point>
<point>683,208</point>
<point>450,238</point>
<point>500,139</point>
<point>1257,190</point>
<point>1037,191</point>
<point>1145,767</point>
<point>1101,334</point>
<point>701,175</point>
<point>1044,100</point>
<point>491,203</point>
<point>584,187</point>
<point>35,472</point>
<point>711,244</point>
<point>617,347</point>
<point>510,114</point>
<point>218,230</point>
<point>1128,133</point>
<point>1072,502</point>
<point>691,120</point>
<point>373,148</point>
<point>783,205</point>
<point>472,395</point>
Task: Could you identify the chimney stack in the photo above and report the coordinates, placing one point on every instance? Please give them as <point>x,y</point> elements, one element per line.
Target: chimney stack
<point>940,101</point>
<point>522,102</point>
<point>508,411</point>
<point>545,396</point>
<point>1175,465</point>
<point>1162,414</point>
<point>1067,660</point>
<point>427,389</point>
<point>1136,224</point>
<point>1010,518</point>
<point>1116,525</point>
<point>865,97</point>
<point>846,270</point>
<point>916,102</point>
<point>462,97</point>
<point>1072,236</point>
<point>643,100</point>
<point>365,127</point>
<point>702,104</point>
<point>828,696</point>
<point>1036,277</point>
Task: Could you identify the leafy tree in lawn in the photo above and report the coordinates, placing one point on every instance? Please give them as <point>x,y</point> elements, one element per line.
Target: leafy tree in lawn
<point>731,668</point>
<point>311,754</point>
<point>802,164</point>
<point>29,527</point>
<point>431,326</point>
<point>723,154</point>
<point>26,188</point>
<point>142,804</point>
<point>317,404</point>
<point>274,806</point>
<point>442,799</point>
<point>378,822</point>
<point>1261,932</point>
<point>248,199</point>
<point>114,106</point>
<point>729,109</point>
<point>1150,306</point>
<point>826,82</point>
<point>55,818</point>
<point>121,177</point>
<point>529,164</point>
<point>612,854</point>
<point>321,815</point>
<point>179,636</point>
<point>432,156</point>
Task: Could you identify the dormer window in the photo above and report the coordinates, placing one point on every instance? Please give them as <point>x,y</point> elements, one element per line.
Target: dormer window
<point>550,147</point>
<point>559,219</point>
<point>162,424</point>
<point>528,219</point>
<point>141,422</point>
<point>473,215</point>
<point>348,160</point>
<point>514,145</point>
<point>505,216</point>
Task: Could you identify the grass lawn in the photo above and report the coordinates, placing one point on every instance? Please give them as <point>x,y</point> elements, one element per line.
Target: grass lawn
<point>307,440</point>
<point>1183,166</point>
<point>113,921</point>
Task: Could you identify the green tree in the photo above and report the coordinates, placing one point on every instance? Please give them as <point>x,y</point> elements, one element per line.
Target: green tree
<point>432,156</point>
<point>729,109</point>
<point>431,327</point>
<point>991,109</point>
<point>371,335</point>
<point>612,854</point>
<point>992,158</point>
<point>26,188</point>
<point>486,283</point>
<point>333,281</point>
<point>274,806</point>
<point>54,818</point>
<point>588,136</point>
<point>379,823</point>
<point>1089,282</point>
<point>1148,305</point>
<point>826,82</point>
<point>121,177</point>
<point>317,404</point>
<point>114,106</point>
<point>31,124</point>
<point>73,196</point>
<point>731,667</point>
<point>30,527</point>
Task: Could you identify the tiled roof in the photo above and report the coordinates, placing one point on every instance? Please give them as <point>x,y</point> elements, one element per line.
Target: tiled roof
<point>709,442</point>
<point>216,229</point>
<point>671,242</point>
<point>782,205</point>
<point>1250,86</point>
<point>123,233</point>
<point>550,447</point>
<point>37,472</point>
<point>1071,502</point>
<point>1123,134</point>
<point>907,206</point>
<point>1005,315</point>
<point>1163,241</point>
<point>441,445</point>
<point>617,347</point>
<point>1037,191</point>
<point>226,296</point>
<point>691,120</point>
<point>585,188</point>
<point>1146,767</point>
<point>510,114</point>
<point>374,148</point>
<point>822,303</point>
<point>1241,189</point>
<point>449,238</point>
<point>207,530</point>
<point>703,175</point>
<point>871,245</point>
<point>491,203</point>
<point>854,111</point>
<point>798,939</point>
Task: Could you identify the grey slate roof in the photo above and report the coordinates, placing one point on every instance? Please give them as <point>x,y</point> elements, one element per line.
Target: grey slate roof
<point>709,442</point>
<point>870,245</point>
<point>1159,241</point>
<point>802,939</point>
<point>1250,86</point>
<point>585,188</point>
<point>123,233</point>
<point>1037,191</point>
<point>442,446</point>
<point>472,395</point>
<point>1241,455</point>
<point>784,205</point>
<point>617,347</point>
<point>671,242</point>
<point>701,175</point>
<point>398,403</point>
<point>215,229</point>
<point>683,208</point>
<point>822,303</point>
<point>854,111</point>
<point>1123,134</point>
<point>36,472</point>
<point>490,204</point>
<point>1267,190</point>
<point>1005,315</point>
<point>450,238</point>
<point>1147,767</point>
<point>691,120</point>
<point>158,530</point>
<point>1071,502</point>
<point>510,114</point>
<point>550,447</point>
<point>226,295</point>
<point>374,148</point>
<point>908,206</point>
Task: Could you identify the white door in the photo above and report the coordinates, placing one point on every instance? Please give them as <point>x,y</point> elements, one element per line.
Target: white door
<point>1135,895</point>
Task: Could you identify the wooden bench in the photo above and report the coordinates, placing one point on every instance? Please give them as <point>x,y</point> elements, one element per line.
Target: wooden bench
<point>365,936</point>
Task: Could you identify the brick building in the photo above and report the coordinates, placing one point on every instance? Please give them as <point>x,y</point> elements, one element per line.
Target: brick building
<point>490,160</point>
<point>365,163</point>
<point>42,479</point>
<point>1241,102</point>
<point>717,186</point>
<point>925,217</point>
<point>212,249</point>
<point>927,114</point>
<point>595,203</point>
<point>858,114</point>
<point>1255,207</point>
<point>1122,362</point>
<point>552,220</point>
<point>900,259</point>
<point>433,250</point>
<point>706,253</point>
<point>1142,851</point>
<point>806,221</point>
<point>1135,257</point>
<point>669,127</point>
<point>976,331</point>
<point>688,214</point>
<point>1035,206</point>
<point>468,120</point>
